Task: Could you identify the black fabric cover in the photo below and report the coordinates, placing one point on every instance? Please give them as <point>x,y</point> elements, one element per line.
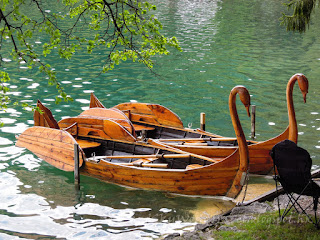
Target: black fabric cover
<point>293,164</point>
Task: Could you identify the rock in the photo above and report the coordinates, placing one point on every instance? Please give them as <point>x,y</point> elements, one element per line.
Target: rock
<point>210,223</point>
<point>191,235</point>
<point>303,201</point>
<point>172,236</point>
<point>241,217</point>
<point>253,208</point>
<point>196,235</point>
<point>283,200</point>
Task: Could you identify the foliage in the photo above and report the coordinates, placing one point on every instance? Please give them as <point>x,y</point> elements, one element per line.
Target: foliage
<point>4,99</point>
<point>301,15</point>
<point>124,29</point>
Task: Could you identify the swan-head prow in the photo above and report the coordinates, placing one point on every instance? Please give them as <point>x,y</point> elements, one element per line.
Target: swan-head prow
<point>244,96</point>
<point>303,85</point>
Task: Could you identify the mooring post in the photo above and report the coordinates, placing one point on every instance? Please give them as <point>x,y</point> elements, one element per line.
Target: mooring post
<point>203,121</point>
<point>253,121</point>
<point>76,165</point>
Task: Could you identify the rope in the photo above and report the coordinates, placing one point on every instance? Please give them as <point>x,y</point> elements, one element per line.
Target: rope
<point>246,188</point>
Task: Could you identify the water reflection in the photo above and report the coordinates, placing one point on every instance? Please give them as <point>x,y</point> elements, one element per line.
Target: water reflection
<point>206,208</point>
<point>43,203</point>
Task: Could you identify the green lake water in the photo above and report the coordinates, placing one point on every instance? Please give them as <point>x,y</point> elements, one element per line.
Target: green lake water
<point>225,43</point>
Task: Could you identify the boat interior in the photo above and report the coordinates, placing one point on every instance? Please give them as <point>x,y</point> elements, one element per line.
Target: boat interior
<point>136,154</point>
<point>145,131</point>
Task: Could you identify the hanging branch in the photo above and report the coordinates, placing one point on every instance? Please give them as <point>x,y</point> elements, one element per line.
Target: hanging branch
<point>301,15</point>
<point>122,28</point>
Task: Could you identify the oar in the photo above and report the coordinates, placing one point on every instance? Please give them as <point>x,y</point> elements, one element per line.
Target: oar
<point>97,158</point>
<point>150,165</point>
<point>150,156</point>
<point>197,139</point>
<point>195,143</point>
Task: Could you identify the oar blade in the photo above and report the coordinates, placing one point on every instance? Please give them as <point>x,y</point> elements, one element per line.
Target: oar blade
<point>54,146</point>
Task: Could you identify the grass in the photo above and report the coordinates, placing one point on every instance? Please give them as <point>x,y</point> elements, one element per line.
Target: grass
<point>268,226</point>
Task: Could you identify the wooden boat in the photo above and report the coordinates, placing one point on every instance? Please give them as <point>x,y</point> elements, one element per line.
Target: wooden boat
<point>110,153</point>
<point>153,120</point>
<point>204,143</point>
<point>260,160</point>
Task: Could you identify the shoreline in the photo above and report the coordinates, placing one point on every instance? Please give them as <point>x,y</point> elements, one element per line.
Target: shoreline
<point>266,213</point>
<point>264,206</point>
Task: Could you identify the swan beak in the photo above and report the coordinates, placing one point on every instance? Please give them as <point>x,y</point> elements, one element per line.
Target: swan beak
<point>248,110</point>
<point>304,97</point>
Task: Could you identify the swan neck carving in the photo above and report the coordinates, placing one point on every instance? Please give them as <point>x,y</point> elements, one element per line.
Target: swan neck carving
<point>303,85</point>
<point>242,143</point>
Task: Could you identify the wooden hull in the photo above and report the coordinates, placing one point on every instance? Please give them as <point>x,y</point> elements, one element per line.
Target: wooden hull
<point>260,161</point>
<point>220,177</point>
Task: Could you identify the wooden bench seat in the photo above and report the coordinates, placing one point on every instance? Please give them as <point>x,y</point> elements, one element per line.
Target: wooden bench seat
<point>143,160</point>
<point>87,144</point>
<point>193,166</point>
<point>138,127</point>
